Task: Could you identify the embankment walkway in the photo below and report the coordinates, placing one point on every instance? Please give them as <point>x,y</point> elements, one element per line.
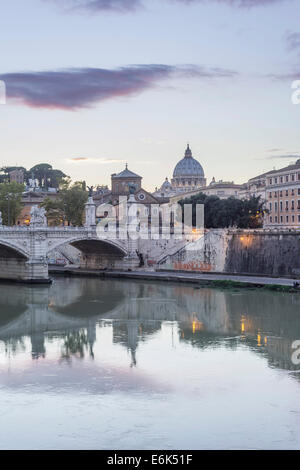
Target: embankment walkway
<point>191,277</point>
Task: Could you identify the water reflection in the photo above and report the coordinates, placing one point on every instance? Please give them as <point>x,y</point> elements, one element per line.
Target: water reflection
<point>116,364</point>
<point>72,309</point>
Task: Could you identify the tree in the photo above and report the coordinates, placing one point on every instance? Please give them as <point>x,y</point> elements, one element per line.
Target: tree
<point>46,175</point>
<point>69,206</point>
<point>230,212</point>
<point>10,201</point>
<point>54,211</point>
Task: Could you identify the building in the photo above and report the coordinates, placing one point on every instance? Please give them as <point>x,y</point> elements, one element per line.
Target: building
<point>283,197</point>
<point>254,187</point>
<point>16,176</point>
<point>222,189</point>
<point>121,182</point>
<point>31,199</point>
<point>121,185</point>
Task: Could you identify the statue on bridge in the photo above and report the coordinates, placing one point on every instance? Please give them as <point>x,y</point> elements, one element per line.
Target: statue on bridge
<point>38,217</point>
<point>91,190</point>
<point>132,188</point>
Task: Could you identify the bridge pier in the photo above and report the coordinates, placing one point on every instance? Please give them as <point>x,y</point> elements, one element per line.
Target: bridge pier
<point>23,270</point>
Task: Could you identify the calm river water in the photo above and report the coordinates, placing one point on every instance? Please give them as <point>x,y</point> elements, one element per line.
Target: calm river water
<point>93,364</point>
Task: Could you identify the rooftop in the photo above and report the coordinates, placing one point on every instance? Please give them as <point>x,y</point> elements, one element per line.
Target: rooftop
<point>126,174</point>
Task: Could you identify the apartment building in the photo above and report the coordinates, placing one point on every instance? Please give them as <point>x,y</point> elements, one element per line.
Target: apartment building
<point>283,197</point>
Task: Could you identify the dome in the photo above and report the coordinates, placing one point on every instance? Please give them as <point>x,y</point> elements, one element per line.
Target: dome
<point>188,166</point>
<point>166,186</point>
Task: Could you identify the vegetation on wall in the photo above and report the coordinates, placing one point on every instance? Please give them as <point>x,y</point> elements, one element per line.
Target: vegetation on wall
<point>230,212</point>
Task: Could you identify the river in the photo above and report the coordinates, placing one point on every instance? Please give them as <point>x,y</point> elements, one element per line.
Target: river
<point>111,364</point>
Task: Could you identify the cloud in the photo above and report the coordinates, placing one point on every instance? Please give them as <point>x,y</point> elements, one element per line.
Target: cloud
<point>94,6</point>
<point>293,41</point>
<point>72,89</point>
<point>289,76</point>
<point>284,156</point>
<point>126,6</point>
<point>235,3</point>
<point>100,161</point>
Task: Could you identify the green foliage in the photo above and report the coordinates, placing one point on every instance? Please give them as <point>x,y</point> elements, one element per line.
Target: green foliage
<point>43,172</point>
<point>10,201</point>
<point>46,175</point>
<point>230,212</point>
<point>69,206</point>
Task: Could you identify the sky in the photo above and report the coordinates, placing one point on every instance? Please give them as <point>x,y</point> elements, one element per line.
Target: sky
<point>93,84</point>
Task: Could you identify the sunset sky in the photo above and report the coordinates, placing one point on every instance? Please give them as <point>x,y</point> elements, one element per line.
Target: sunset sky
<point>93,84</point>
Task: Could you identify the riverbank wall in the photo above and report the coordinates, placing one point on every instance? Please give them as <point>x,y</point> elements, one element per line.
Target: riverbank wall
<point>255,252</point>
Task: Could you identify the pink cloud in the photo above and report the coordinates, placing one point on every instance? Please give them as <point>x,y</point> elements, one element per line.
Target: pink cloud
<point>72,89</point>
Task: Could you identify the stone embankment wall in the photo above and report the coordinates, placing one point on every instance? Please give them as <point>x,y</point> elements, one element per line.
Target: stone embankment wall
<point>276,254</point>
<point>240,251</point>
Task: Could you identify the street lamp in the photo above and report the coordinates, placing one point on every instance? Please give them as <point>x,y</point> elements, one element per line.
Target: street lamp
<point>8,197</point>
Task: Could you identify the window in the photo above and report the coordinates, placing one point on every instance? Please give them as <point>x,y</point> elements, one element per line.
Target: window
<point>275,180</point>
<point>276,219</point>
<point>293,177</point>
<point>276,206</point>
<point>293,218</point>
<point>286,205</point>
<point>287,192</point>
<point>281,219</point>
<point>293,205</point>
<point>298,218</point>
<point>270,194</point>
<point>270,206</point>
<point>281,179</point>
<point>287,178</point>
<point>298,191</point>
<point>271,219</point>
<point>281,206</point>
<point>293,192</point>
<point>275,194</point>
<point>280,193</point>
<point>287,218</point>
<point>270,180</point>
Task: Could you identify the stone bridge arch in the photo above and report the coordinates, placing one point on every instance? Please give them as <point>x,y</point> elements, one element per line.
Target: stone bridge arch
<point>95,253</point>
<point>10,249</point>
<point>14,260</point>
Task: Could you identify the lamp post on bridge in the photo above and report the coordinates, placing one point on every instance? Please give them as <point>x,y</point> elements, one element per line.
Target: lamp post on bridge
<point>8,197</point>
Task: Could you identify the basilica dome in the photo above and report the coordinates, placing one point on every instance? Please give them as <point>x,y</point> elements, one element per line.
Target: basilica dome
<point>188,174</point>
<point>188,166</point>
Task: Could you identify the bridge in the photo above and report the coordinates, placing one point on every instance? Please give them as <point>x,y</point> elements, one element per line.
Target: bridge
<point>24,251</point>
